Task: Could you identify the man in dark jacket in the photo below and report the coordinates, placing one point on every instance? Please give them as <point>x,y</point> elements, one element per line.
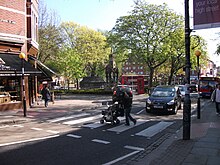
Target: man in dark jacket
<point>127,102</point>
<point>45,94</point>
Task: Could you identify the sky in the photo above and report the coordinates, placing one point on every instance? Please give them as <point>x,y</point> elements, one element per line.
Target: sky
<point>102,14</point>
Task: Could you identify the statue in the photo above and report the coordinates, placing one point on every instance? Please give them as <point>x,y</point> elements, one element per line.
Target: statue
<point>111,71</point>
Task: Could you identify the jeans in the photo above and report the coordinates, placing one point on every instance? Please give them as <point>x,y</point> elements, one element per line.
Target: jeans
<point>128,115</point>
<point>46,102</point>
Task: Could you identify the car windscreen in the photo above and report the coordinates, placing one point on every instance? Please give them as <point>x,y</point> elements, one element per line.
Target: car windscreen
<point>163,92</point>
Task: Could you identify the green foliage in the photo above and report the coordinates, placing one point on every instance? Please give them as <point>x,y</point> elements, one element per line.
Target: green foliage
<point>49,43</point>
<point>49,38</point>
<point>145,33</point>
<point>89,44</point>
<point>70,63</point>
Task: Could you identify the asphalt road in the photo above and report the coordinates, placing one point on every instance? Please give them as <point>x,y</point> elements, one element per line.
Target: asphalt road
<point>81,139</point>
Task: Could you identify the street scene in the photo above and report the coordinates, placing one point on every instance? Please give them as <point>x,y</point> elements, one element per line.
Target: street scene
<point>74,132</point>
<point>109,82</point>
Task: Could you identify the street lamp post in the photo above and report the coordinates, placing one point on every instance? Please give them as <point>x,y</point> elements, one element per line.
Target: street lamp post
<point>187,100</point>
<point>22,57</point>
<point>132,79</point>
<point>198,53</point>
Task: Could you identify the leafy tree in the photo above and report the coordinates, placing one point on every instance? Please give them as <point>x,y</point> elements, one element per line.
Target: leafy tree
<point>49,43</point>
<point>70,64</point>
<point>176,59</point>
<point>48,33</point>
<point>90,44</point>
<point>145,33</point>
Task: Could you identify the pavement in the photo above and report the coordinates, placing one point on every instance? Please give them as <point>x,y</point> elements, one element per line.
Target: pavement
<point>203,147</point>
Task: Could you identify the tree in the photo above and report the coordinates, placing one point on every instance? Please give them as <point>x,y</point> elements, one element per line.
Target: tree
<point>89,44</point>
<point>145,32</point>
<point>49,35</point>
<point>176,58</point>
<point>69,64</point>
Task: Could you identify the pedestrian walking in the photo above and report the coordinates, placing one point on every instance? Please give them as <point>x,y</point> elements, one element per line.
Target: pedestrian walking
<point>127,102</point>
<point>45,94</point>
<point>216,98</point>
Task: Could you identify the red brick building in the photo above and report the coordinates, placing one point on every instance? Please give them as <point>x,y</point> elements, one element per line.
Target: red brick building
<point>18,34</point>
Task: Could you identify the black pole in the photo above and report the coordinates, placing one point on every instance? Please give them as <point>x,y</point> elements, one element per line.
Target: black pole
<point>198,100</point>
<point>187,101</point>
<point>23,89</point>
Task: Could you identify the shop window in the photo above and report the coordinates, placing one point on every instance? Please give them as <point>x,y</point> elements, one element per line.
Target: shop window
<point>9,89</point>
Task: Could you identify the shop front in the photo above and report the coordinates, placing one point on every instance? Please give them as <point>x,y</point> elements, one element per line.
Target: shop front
<point>11,81</point>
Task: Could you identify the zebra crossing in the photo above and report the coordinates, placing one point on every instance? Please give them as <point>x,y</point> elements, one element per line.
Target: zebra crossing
<point>85,120</point>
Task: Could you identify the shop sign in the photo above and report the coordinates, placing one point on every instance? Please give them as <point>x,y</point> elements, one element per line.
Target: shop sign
<point>4,67</point>
<point>206,14</point>
<point>7,21</point>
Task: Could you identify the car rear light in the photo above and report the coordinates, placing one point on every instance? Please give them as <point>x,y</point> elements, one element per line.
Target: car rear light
<point>114,93</point>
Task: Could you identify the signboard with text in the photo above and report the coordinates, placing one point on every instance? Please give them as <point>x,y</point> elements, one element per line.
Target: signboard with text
<point>206,14</point>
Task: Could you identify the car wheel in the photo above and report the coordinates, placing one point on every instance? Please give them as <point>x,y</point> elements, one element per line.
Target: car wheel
<point>101,121</point>
<point>117,121</point>
<point>147,110</point>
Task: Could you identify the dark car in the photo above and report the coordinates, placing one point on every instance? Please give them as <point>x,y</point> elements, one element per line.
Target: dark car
<point>164,99</point>
<point>118,92</point>
<point>193,88</point>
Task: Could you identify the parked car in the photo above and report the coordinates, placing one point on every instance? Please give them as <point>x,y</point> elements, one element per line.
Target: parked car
<point>118,92</point>
<point>193,88</point>
<point>164,99</point>
<point>183,90</point>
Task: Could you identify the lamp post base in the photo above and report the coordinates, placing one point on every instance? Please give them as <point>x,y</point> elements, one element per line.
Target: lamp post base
<point>186,117</point>
<point>24,107</point>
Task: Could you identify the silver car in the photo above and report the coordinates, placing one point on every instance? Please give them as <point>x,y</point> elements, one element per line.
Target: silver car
<point>183,90</point>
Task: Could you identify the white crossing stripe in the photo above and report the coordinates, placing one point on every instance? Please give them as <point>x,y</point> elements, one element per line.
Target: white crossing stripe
<point>93,125</point>
<point>100,141</point>
<point>54,132</point>
<point>4,126</point>
<point>37,129</point>
<point>98,124</point>
<point>72,122</point>
<point>122,128</point>
<point>74,136</point>
<point>29,140</point>
<point>153,130</point>
<point>67,117</point>
<point>20,126</point>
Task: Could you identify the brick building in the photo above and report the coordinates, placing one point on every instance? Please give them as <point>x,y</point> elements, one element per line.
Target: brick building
<point>18,34</point>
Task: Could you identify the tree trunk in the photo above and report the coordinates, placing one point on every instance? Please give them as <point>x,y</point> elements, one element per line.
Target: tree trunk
<point>77,83</point>
<point>150,84</point>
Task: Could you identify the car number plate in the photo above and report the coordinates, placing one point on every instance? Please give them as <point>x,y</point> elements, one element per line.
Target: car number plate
<point>157,106</point>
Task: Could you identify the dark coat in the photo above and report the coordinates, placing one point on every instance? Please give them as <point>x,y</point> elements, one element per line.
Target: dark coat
<point>45,93</point>
<point>127,101</point>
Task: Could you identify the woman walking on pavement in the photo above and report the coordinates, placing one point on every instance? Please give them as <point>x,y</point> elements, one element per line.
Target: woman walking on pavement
<point>45,94</point>
<point>216,98</point>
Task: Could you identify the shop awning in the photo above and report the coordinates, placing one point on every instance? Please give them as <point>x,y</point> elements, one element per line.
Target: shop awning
<point>11,64</point>
<point>47,72</point>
